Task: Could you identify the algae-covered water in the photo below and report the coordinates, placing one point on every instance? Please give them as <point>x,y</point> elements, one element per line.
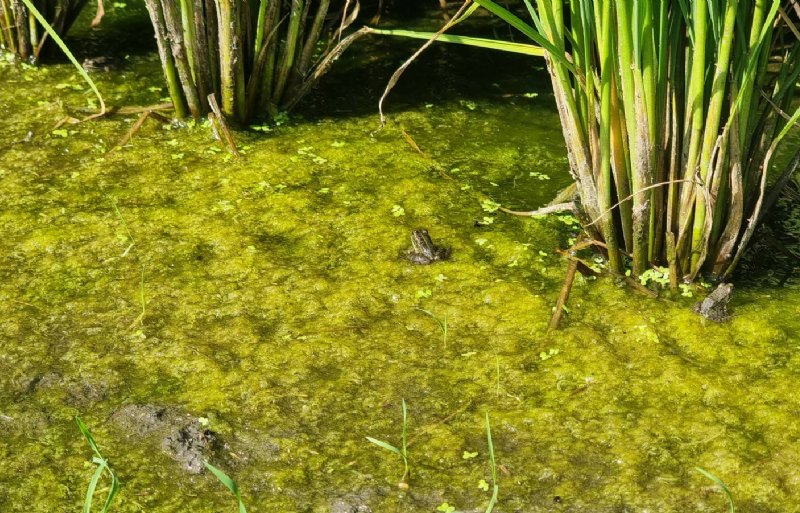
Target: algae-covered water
<point>267,299</point>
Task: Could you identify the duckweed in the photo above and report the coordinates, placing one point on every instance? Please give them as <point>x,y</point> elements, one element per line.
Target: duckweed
<point>278,307</point>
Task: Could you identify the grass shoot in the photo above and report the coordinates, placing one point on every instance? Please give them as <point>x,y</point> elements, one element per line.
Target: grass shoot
<point>102,467</point>
<point>722,486</point>
<point>125,225</point>
<point>441,322</point>
<point>493,466</point>
<point>403,452</point>
<point>229,483</point>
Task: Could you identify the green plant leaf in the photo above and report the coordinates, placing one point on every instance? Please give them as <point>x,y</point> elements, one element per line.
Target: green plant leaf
<point>388,447</point>
<point>480,42</point>
<point>529,31</point>
<point>229,483</point>
<point>102,465</point>
<point>719,483</point>
<point>88,436</point>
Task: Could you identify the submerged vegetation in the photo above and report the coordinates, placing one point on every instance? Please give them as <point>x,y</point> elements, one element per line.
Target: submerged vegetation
<point>672,113</point>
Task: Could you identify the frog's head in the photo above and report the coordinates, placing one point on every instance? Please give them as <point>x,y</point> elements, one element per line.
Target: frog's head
<point>420,239</point>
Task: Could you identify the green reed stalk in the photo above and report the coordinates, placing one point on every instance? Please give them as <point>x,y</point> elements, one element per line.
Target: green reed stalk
<point>6,35</point>
<point>156,11</point>
<point>173,22</point>
<point>402,452</point>
<point>289,48</point>
<point>711,127</point>
<point>230,60</point>
<point>672,113</point>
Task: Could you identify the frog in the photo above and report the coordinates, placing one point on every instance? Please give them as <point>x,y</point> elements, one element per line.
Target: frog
<point>101,63</point>
<point>423,251</point>
<point>715,306</point>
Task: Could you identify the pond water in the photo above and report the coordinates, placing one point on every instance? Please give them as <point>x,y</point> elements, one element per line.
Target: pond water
<point>267,299</point>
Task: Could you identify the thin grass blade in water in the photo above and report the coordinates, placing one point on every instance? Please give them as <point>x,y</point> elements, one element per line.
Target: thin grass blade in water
<point>229,483</point>
<point>403,452</point>
<point>496,489</point>
<point>102,465</point>
<point>719,483</point>
<point>441,322</point>
<point>388,447</point>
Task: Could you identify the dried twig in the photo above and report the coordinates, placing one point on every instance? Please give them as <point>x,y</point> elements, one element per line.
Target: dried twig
<point>98,14</point>
<point>549,209</point>
<point>217,121</point>
<point>135,128</point>
<point>569,279</point>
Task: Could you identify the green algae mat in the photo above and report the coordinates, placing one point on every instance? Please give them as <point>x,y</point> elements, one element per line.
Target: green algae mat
<point>260,313</point>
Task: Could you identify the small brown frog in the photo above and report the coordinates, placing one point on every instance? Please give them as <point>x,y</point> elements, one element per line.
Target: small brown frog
<point>101,63</point>
<point>715,306</point>
<point>423,251</point>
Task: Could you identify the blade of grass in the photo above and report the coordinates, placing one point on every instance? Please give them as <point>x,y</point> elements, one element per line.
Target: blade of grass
<point>102,465</point>
<point>229,483</point>
<point>441,322</point>
<point>387,446</point>
<point>125,225</point>
<point>496,487</point>
<point>480,42</point>
<point>719,483</point>
<point>403,452</point>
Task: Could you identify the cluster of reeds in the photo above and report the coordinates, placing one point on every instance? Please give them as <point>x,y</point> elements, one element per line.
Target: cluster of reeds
<point>672,112</point>
<point>256,56</point>
<point>23,35</point>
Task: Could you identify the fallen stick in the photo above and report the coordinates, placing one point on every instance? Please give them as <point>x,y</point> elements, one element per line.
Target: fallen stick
<point>217,121</point>
<point>135,128</point>
<point>549,209</point>
<point>569,279</point>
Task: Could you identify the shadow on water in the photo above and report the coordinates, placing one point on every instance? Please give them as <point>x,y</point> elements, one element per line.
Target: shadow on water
<point>125,31</point>
<point>444,73</point>
<point>773,259</point>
